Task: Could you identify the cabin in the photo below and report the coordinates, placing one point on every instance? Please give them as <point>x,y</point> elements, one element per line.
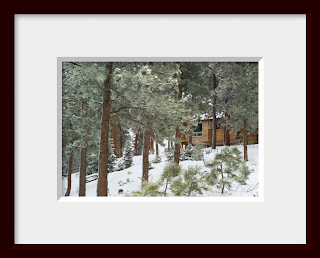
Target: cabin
<point>203,133</point>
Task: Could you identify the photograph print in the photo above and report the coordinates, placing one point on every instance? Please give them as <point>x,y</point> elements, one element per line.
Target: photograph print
<point>160,129</point>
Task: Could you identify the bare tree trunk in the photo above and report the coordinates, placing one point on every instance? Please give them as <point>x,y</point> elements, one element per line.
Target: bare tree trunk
<point>83,159</point>
<point>214,118</point>
<point>245,141</point>
<point>83,172</point>
<point>177,147</point>
<point>115,139</point>
<point>145,158</point>
<point>136,144</point>
<point>121,144</point>
<point>151,143</point>
<point>157,149</point>
<point>168,145</point>
<point>190,139</point>
<point>178,135</point>
<point>69,174</point>
<point>102,189</point>
<point>227,137</point>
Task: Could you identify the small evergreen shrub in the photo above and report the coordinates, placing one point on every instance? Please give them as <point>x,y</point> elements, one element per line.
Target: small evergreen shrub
<point>128,152</point>
<point>169,153</point>
<point>111,157</point>
<point>170,171</point>
<point>150,166</point>
<point>197,153</point>
<point>157,159</point>
<point>189,183</point>
<point>120,166</point>
<point>227,167</point>
<point>148,189</point>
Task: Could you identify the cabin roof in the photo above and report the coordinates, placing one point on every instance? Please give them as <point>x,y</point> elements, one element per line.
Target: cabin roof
<point>209,117</point>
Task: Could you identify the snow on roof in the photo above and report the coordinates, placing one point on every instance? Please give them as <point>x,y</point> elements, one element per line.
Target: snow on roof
<point>206,116</point>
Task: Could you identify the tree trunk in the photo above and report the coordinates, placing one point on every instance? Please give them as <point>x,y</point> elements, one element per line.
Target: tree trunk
<point>214,119</point>
<point>69,174</point>
<point>145,158</point>
<point>190,139</point>
<point>120,145</point>
<point>177,147</point>
<point>245,141</point>
<point>227,137</point>
<point>157,149</point>
<point>168,145</point>
<point>83,172</point>
<point>151,143</point>
<point>115,139</point>
<point>136,145</point>
<point>214,129</point>
<point>83,155</point>
<point>178,135</point>
<point>102,189</point>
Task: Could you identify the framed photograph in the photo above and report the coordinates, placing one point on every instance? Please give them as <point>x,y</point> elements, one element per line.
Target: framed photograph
<point>160,131</point>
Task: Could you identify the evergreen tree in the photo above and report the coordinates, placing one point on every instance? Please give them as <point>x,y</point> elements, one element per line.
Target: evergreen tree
<point>197,151</point>
<point>111,157</point>
<point>226,168</point>
<point>189,183</point>
<point>241,102</point>
<point>170,171</point>
<point>128,152</point>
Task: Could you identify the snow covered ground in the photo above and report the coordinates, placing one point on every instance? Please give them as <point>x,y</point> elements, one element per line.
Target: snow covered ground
<point>130,179</point>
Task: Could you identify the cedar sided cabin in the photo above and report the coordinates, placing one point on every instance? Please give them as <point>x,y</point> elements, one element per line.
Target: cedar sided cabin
<point>203,133</point>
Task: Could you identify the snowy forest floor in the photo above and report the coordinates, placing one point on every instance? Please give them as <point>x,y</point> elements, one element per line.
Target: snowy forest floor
<point>130,179</point>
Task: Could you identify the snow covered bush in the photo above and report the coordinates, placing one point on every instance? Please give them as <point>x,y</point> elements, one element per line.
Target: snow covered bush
<point>92,164</point>
<point>169,153</point>
<point>128,152</point>
<point>187,153</point>
<point>120,166</point>
<point>189,183</point>
<point>150,166</point>
<point>227,167</point>
<point>111,157</point>
<point>157,159</point>
<point>148,189</point>
<point>197,152</point>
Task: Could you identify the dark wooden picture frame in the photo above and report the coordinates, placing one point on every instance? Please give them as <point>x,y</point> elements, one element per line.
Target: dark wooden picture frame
<point>12,249</point>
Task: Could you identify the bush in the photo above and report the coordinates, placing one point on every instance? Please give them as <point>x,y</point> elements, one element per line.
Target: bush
<point>189,183</point>
<point>157,159</point>
<point>128,152</point>
<point>187,153</point>
<point>197,152</point>
<point>120,166</point>
<point>169,154</point>
<point>148,189</point>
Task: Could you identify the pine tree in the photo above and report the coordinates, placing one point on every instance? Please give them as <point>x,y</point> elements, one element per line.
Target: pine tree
<point>111,157</point>
<point>170,171</point>
<point>189,183</point>
<point>226,168</point>
<point>240,92</point>
<point>128,152</point>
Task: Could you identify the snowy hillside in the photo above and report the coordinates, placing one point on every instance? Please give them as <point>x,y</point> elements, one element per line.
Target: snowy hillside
<point>130,179</point>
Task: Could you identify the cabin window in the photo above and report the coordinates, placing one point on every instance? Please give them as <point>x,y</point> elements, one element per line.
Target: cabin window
<point>198,131</point>
<point>199,128</point>
<point>217,125</point>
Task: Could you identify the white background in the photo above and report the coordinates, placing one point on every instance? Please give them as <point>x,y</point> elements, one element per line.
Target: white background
<point>279,39</point>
